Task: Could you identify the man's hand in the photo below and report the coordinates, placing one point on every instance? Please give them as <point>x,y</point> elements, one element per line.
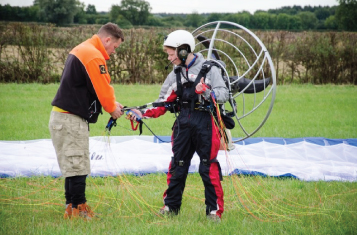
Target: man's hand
<point>133,117</point>
<point>119,105</point>
<point>118,111</point>
<point>201,87</point>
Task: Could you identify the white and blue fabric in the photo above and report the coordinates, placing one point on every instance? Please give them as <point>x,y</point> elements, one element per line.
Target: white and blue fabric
<point>309,159</point>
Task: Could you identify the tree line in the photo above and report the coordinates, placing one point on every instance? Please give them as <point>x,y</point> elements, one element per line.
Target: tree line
<point>134,13</point>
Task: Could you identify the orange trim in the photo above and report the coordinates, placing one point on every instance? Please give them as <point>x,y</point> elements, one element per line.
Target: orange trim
<point>93,56</point>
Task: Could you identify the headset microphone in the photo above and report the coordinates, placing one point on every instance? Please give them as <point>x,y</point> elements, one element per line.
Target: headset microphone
<point>167,66</point>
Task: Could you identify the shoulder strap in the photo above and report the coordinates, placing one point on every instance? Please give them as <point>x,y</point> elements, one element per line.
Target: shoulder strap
<point>206,67</point>
<point>178,81</point>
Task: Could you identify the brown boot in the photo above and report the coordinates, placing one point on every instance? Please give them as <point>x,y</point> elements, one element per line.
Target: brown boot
<point>83,211</point>
<point>68,212</point>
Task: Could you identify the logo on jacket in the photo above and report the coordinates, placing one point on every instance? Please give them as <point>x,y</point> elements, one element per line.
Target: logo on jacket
<point>192,76</point>
<point>102,69</point>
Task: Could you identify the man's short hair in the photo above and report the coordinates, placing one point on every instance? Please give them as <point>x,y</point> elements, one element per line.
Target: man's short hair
<point>111,29</point>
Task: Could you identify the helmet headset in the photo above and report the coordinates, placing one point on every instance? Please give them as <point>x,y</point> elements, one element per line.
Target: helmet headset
<point>182,52</point>
<point>183,41</point>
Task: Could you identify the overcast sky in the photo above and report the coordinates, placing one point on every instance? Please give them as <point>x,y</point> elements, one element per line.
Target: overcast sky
<point>200,6</point>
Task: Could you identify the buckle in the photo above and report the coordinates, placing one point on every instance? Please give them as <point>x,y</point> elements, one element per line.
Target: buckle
<point>185,104</point>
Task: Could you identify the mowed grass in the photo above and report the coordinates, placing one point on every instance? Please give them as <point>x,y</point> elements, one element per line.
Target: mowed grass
<point>129,204</point>
<point>299,111</point>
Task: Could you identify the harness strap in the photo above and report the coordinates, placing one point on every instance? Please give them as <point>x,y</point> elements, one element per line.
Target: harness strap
<point>206,67</point>
<point>138,124</point>
<point>178,81</point>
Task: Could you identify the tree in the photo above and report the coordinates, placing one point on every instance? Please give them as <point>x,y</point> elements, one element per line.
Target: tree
<point>286,10</point>
<point>91,9</point>
<point>294,23</point>
<point>214,17</point>
<point>137,12</point>
<point>282,21</point>
<point>30,13</point>
<point>308,20</point>
<point>91,14</point>
<point>173,21</point>
<point>15,13</point>
<point>261,20</point>
<point>102,19</point>
<point>194,20</point>
<point>123,22</point>
<point>154,21</point>
<point>346,15</point>
<point>116,17</point>
<point>80,17</point>
<point>287,22</point>
<point>243,18</point>
<point>331,23</point>
<point>114,13</point>
<point>322,13</point>
<point>57,11</point>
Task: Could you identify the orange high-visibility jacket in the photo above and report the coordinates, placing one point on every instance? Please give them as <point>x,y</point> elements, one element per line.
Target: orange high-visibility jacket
<point>85,82</point>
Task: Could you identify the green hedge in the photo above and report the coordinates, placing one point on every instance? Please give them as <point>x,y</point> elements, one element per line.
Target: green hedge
<point>37,53</point>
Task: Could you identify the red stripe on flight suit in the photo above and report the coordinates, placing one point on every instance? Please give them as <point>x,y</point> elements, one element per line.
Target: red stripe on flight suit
<point>216,182</point>
<point>169,175</point>
<point>214,170</point>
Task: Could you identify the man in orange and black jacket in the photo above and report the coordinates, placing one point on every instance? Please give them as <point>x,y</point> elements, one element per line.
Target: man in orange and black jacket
<point>84,89</point>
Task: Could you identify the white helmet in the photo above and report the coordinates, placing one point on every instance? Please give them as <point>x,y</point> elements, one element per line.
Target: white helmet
<point>178,38</point>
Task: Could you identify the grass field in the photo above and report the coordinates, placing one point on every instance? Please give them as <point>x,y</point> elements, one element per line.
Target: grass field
<point>129,204</point>
<point>299,111</point>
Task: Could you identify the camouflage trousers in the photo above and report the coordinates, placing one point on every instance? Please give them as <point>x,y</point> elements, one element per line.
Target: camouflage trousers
<point>70,138</point>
